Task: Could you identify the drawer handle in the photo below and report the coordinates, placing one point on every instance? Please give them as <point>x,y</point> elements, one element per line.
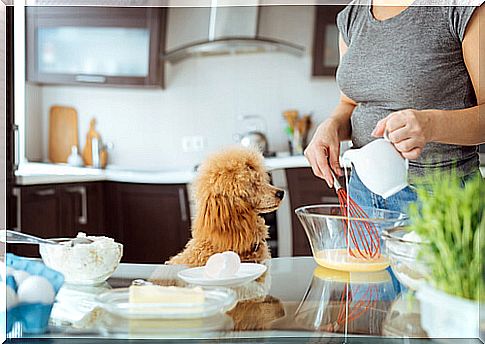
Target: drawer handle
<point>83,219</point>
<point>183,209</point>
<point>16,193</point>
<point>95,79</point>
<point>46,192</point>
<point>16,135</point>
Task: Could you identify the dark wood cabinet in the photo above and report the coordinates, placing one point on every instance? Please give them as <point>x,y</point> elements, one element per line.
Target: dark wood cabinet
<point>152,221</point>
<point>38,213</point>
<point>53,211</point>
<point>325,40</point>
<point>118,46</point>
<point>306,189</point>
<point>82,209</point>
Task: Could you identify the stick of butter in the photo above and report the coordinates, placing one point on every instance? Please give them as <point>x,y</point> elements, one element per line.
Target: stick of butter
<point>162,294</point>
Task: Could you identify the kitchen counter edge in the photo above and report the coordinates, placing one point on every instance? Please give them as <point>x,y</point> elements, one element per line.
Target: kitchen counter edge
<point>56,174</point>
<point>44,173</point>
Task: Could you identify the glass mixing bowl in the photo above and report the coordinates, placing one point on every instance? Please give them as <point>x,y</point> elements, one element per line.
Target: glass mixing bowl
<point>336,300</point>
<point>403,257</point>
<point>326,230</point>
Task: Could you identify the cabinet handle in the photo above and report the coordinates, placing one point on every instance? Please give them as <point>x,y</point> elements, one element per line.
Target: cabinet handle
<point>16,193</point>
<point>183,209</point>
<point>95,79</point>
<point>16,145</point>
<point>46,192</point>
<point>83,219</point>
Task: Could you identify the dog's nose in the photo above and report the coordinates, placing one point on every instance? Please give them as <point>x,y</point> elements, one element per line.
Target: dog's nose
<point>280,194</point>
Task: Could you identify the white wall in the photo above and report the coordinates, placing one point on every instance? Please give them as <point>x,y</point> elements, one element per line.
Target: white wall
<point>204,96</point>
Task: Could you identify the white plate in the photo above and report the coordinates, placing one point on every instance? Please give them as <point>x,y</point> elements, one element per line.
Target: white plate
<point>247,272</point>
<point>217,300</point>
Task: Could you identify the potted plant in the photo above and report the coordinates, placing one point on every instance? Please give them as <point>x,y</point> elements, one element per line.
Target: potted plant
<point>450,215</point>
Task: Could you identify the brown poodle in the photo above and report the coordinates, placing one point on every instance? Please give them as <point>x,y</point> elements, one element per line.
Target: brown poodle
<point>231,190</point>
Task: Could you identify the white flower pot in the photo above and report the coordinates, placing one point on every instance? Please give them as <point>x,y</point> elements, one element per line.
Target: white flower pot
<point>447,316</point>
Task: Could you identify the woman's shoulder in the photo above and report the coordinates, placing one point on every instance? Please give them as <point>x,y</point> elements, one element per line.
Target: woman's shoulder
<point>456,13</point>
<point>354,8</point>
<point>349,16</point>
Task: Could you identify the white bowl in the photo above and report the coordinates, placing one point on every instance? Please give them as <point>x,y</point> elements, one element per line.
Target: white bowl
<point>83,264</point>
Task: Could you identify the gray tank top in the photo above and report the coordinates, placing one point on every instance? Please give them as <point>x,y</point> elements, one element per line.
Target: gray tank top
<point>413,60</point>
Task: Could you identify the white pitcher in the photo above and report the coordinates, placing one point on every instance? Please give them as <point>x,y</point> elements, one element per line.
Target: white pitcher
<point>380,167</point>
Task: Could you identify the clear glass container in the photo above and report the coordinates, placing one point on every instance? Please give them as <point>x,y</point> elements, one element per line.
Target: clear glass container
<point>332,235</point>
<point>403,258</point>
<point>216,300</point>
<point>346,302</point>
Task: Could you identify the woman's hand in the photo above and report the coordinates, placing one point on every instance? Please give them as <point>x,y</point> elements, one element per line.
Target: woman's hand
<point>323,151</point>
<point>409,130</point>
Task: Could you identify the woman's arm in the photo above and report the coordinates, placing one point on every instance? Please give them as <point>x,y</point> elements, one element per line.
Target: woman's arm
<point>324,148</point>
<point>342,112</point>
<point>411,129</point>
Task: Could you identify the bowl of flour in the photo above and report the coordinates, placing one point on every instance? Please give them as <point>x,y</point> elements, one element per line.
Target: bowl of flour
<point>92,260</point>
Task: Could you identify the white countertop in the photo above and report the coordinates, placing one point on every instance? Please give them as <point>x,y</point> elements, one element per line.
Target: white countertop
<point>43,173</point>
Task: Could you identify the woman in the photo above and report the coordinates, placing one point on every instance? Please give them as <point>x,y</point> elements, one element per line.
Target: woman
<point>412,71</point>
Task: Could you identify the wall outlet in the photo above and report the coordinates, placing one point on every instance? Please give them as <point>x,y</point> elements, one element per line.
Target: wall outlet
<point>192,144</point>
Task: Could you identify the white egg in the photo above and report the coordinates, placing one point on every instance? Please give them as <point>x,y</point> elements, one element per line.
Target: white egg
<point>36,289</point>
<point>11,297</point>
<point>222,265</point>
<point>233,262</point>
<point>5,271</point>
<point>20,276</point>
<point>214,265</point>
<point>9,271</point>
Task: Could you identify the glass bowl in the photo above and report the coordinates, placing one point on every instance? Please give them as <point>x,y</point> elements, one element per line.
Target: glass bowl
<point>403,255</point>
<point>326,230</point>
<point>336,300</point>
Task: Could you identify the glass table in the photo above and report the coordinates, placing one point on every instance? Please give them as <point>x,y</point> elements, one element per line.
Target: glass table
<point>295,298</point>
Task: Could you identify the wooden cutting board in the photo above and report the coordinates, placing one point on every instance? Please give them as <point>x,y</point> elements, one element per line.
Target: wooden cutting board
<point>63,133</point>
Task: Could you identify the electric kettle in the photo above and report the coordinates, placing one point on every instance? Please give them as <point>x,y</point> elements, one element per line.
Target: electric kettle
<point>254,137</point>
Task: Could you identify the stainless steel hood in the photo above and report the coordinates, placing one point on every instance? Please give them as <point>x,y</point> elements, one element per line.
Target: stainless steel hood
<point>231,31</point>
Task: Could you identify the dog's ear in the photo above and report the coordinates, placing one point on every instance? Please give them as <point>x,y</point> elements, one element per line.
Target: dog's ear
<point>226,222</point>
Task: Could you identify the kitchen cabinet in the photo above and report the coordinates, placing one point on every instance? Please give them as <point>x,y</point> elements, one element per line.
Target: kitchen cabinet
<point>82,209</point>
<point>325,41</point>
<point>95,45</point>
<point>152,221</point>
<point>306,189</point>
<point>61,210</point>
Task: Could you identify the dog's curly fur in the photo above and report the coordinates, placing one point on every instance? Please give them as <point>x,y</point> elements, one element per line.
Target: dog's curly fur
<point>231,190</point>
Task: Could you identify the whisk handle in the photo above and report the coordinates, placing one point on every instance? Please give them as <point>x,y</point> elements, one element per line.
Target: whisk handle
<point>336,183</point>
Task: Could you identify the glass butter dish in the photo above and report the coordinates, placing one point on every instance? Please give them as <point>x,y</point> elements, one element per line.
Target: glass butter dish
<point>216,300</point>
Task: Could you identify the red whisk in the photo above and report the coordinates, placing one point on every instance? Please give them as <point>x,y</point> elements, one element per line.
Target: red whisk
<point>362,234</point>
<point>366,302</point>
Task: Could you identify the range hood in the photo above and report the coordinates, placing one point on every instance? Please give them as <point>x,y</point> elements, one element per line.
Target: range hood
<point>231,31</point>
